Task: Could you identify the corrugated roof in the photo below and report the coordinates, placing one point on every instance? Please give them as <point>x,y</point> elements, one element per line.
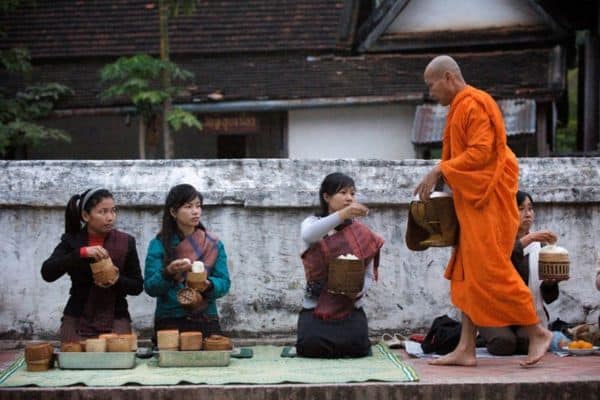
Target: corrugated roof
<point>70,28</point>
<point>430,119</point>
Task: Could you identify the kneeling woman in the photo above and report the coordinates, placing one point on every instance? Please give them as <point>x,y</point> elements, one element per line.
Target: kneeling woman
<point>508,340</point>
<point>181,241</point>
<point>96,305</point>
<point>333,325</point>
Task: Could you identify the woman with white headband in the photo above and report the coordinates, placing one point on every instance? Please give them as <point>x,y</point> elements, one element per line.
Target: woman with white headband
<point>95,305</point>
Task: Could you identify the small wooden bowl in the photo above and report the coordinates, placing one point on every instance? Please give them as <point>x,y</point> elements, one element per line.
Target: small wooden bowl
<point>132,339</point>
<point>558,271</point>
<point>39,365</point>
<point>553,266</point>
<point>167,339</point>
<point>189,298</point>
<point>345,277</point>
<point>190,341</point>
<point>95,345</point>
<point>197,280</point>
<point>71,347</point>
<point>118,344</point>
<point>39,356</point>
<point>38,351</point>
<point>105,276</point>
<point>108,335</point>
<point>217,342</point>
<point>101,265</point>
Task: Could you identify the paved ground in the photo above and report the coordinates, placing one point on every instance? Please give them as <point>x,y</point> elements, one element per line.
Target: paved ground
<point>507,370</point>
<point>499,378</point>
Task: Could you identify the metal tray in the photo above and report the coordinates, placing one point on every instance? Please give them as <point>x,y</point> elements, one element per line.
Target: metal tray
<point>109,360</point>
<point>193,358</point>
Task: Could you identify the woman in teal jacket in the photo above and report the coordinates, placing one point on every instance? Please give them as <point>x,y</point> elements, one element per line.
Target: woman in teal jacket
<point>182,240</point>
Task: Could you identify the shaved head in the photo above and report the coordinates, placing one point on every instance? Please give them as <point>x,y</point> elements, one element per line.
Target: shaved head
<point>441,64</point>
<point>444,79</point>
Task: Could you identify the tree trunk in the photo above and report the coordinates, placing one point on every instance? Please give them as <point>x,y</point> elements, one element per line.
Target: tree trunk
<point>142,138</point>
<point>167,135</point>
<point>165,78</point>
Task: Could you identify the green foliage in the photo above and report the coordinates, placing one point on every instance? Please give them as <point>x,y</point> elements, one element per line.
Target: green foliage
<point>16,60</point>
<point>177,118</point>
<point>142,69</point>
<point>566,136</point>
<point>18,133</point>
<point>38,101</point>
<point>18,116</point>
<point>137,79</point>
<point>150,96</point>
<point>20,113</point>
<point>187,7</point>
<point>7,6</point>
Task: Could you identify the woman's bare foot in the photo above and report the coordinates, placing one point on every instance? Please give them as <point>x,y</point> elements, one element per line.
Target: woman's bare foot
<point>539,341</point>
<point>463,358</point>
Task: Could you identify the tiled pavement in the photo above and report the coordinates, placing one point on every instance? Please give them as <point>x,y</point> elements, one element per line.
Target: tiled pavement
<point>551,368</point>
<point>498,378</point>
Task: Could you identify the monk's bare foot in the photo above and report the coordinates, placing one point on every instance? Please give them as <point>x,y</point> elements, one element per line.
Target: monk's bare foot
<point>457,357</point>
<point>538,346</point>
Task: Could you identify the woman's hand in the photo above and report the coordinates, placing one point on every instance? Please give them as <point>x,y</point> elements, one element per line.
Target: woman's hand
<point>352,211</point>
<point>96,252</point>
<point>178,268</point>
<point>207,286</point>
<point>544,236</point>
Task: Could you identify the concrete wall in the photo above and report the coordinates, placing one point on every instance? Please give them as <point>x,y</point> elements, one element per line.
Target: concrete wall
<point>368,131</point>
<point>256,207</point>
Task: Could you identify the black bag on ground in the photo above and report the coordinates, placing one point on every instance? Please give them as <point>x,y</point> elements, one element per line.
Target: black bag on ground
<point>443,336</point>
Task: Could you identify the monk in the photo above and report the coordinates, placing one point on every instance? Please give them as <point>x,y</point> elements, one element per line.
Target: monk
<point>483,174</point>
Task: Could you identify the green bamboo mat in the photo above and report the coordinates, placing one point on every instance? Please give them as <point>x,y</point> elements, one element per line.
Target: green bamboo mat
<point>265,367</point>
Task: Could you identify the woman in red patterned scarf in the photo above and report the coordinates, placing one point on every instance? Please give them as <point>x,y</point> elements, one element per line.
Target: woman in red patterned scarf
<point>333,325</point>
<point>182,240</point>
<point>94,307</point>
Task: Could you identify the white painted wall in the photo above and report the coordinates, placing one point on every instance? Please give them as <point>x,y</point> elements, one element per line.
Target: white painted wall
<point>256,207</point>
<point>442,15</point>
<point>369,131</point>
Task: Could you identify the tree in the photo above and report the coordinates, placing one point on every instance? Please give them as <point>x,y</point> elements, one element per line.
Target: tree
<point>167,9</point>
<point>147,82</point>
<point>20,113</point>
<point>136,78</point>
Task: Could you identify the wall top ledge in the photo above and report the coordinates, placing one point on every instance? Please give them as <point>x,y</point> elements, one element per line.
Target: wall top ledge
<point>267,183</point>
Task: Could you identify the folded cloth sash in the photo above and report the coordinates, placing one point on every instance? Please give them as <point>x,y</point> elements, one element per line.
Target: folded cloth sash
<point>99,310</point>
<point>199,246</point>
<point>354,238</point>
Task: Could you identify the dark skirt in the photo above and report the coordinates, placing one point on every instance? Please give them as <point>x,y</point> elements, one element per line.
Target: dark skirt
<point>69,329</point>
<point>318,338</point>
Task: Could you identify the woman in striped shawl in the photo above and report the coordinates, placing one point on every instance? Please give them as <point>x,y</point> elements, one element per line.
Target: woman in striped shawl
<point>333,325</point>
<point>182,240</point>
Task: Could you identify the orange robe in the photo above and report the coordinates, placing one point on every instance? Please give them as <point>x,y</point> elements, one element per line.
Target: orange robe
<point>483,173</point>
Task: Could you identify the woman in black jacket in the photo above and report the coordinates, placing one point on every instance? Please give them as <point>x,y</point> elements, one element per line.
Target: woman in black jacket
<point>94,306</point>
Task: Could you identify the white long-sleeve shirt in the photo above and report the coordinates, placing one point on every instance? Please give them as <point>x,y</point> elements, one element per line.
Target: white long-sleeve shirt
<point>314,229</point>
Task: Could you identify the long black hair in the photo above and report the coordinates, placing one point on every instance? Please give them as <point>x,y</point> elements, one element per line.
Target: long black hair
<point>332,184</point>
<point>176,198</point>
<point>521,196</point>
<point>82,202</point>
